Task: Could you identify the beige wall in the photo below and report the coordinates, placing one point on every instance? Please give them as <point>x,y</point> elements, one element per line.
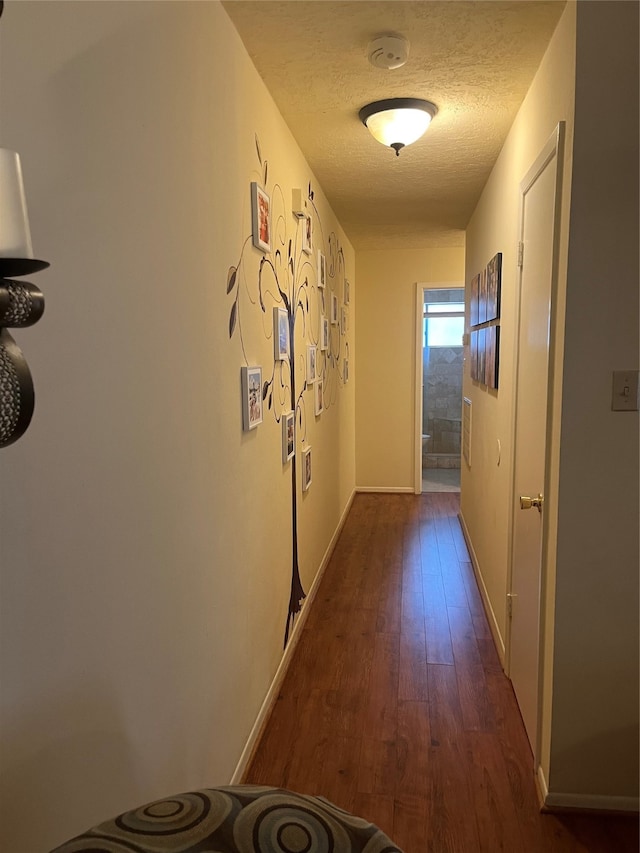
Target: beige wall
<point>385,397</point>
<point>146,540</point>
<point>594,743</point>
<point>486,487</point>
<point>590,637</point>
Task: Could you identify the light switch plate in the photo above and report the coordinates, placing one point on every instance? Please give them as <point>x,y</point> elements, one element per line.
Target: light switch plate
<point>624,397</point>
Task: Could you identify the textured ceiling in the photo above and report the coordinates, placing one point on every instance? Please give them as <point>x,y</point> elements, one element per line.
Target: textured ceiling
<point>474,60</point>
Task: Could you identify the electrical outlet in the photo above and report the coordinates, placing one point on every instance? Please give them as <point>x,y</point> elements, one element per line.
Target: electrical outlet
<point>624,397</point>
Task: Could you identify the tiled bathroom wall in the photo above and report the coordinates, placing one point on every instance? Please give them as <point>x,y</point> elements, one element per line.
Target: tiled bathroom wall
<point>442,406</point>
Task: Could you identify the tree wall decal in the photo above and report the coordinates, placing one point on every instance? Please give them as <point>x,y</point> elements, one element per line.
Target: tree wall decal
<point>287,278</point>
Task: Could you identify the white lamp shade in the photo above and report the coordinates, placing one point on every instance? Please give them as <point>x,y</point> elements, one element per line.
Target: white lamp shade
<point>404,126</point>
<point>15,236</point>
<point>397,122</point>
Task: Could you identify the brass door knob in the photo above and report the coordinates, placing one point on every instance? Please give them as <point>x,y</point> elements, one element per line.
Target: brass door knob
<point>527,502</point>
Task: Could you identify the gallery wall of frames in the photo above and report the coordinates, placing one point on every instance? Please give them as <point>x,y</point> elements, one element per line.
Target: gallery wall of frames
<point>302,291</point>
<point>484,323</point>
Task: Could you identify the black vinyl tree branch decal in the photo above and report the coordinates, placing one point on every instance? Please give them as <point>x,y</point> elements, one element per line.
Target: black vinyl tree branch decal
<point>287,278</point>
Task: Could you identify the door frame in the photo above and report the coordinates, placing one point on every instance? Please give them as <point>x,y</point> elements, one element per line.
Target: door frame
<point>553,148</point>
<point>418,377</point>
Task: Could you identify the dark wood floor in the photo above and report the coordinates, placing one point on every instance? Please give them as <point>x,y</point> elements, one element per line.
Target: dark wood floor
<point>395,706</point>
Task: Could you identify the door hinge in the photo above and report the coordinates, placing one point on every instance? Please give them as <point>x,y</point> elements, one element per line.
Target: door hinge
<point>520,254</point>
<point>510,597</point>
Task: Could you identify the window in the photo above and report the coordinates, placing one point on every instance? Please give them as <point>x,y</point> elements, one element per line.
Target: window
<point>444,324</point>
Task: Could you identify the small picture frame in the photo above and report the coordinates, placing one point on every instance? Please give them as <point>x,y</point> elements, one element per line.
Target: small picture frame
<point>344,320</point>
<point>347,292</point>
<point>288,436</point>
<point>251,378</point>
<point>334,310</point>
<point>260,218</point>
<point>345,370</point>
<point>318,394</point>
<point>324,333</point>
<point>312,364</point>
<point>322,270</point>
<point>281,343</point>
<point>306,468</point>
<point>307,231</point>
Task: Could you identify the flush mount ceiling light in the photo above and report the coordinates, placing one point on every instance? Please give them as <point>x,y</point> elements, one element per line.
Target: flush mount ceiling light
<point>397,122</point>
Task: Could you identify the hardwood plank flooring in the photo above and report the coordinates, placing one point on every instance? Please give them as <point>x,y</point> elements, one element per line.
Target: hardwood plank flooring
<point>395,705</point>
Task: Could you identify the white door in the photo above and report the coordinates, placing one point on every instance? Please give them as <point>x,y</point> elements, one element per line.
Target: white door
<point>539,191</point>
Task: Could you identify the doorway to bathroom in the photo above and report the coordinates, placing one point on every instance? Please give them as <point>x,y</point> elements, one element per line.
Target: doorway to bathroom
<point>442,360</point>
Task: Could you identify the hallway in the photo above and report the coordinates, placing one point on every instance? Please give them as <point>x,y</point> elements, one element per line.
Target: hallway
<point>395,705</point>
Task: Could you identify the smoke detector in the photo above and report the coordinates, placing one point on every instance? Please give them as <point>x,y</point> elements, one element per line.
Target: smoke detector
<point>388,52</point>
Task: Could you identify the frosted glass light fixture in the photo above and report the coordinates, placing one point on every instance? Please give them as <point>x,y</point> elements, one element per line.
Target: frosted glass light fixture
<point>397,122</point>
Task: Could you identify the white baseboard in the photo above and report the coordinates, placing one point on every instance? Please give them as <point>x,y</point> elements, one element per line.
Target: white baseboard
<point>274,688</point>
<point>584,802</point>
<point>491,616</point>
<point>401,490</point>
<point>542,789</point>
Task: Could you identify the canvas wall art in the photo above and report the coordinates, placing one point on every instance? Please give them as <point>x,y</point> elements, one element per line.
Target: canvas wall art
<point>492,356</point>
<point>494,285</point>
<point>473,305</point>
<point>482,297</point>
<point>473,355</point>
<point>481,355</point>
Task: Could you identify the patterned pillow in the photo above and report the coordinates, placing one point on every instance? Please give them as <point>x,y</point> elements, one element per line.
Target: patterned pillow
<point>238,819</point>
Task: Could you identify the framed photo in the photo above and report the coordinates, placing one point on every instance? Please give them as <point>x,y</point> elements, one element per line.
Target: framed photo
<point>334,310</point>
<point>324,333</point>
<point>251,397</point>
<point>281,334</point>
<point>288,436</point>
<point>260,218</point>
<point>347,292</point>
<point>318,394</point>
<point>475,295</point>
<point>322,270</point>
<point>494,286</point>
<point>345,370</point>
<point>344,321</point>
<point>306,468</point>
<point>307,228</point>
<point>312,364</point>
